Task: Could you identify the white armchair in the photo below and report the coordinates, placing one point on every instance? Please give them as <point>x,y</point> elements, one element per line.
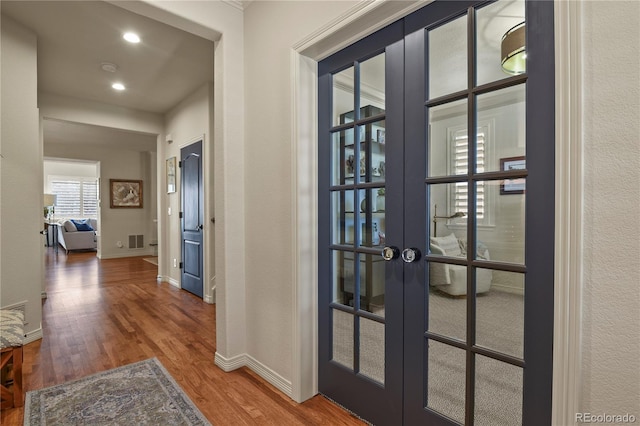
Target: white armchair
<point>452,279</point>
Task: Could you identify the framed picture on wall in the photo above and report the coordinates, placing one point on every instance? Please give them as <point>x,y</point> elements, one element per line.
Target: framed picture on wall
<point>171,175</point>
<point>512,186</point>
<point>125,193</point>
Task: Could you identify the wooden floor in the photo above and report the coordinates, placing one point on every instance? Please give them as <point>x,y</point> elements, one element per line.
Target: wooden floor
<point>102,314</point>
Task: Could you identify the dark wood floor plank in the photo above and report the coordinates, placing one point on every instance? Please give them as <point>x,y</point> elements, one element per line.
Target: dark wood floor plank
<point>102,314</point>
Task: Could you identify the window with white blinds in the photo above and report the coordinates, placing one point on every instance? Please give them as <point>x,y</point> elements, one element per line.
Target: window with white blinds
<point>76,196</point>
<point>459,199</point>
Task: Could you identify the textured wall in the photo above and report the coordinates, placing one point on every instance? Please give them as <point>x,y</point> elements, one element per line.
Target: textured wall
<point>611,326</point>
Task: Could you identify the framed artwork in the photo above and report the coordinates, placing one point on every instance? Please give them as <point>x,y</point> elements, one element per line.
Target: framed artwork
<point>512,186</point>
<point>171,175</point>
<point>125,193</point>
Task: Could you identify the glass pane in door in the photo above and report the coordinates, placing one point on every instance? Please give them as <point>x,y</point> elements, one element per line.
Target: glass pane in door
<point>343,277</point>
<point>342,338</point>
<point>372,86</point>
<point>342,225</point>
<point>505,210</point>
<point>447,377</point>
<point>372,217</point>
<point>448,144</point>
<point>448,311</point>
<point>498,391</point>
<point>372,283</point>
<point>448,58</point>
<point>343,95</point>
<point>372,165</point>
<point>500,314</point>
<point>372,349</point>
<point>492,23</point>
<point>342,158</point>
<point>501,115</point>
<point>448,204</point>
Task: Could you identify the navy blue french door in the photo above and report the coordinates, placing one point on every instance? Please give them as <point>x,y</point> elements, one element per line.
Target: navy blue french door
<point>436,218</point>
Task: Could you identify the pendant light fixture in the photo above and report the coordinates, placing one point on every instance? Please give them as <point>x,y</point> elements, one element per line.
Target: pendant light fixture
<point>514,55</point>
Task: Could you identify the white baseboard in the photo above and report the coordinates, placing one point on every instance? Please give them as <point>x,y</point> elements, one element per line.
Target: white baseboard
<point>244,360</point>
<point>230,364</point>
<point>32,336</point>
<point>507,289</point>
<point>126,254</point>
<point>173,282</point>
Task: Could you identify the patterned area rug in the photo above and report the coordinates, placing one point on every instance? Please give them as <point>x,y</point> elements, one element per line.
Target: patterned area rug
<point>142,393</point>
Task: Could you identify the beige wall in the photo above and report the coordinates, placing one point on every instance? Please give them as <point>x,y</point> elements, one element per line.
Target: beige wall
<point>20,177</point>
<point>187,123</point>
<point>611,308</point>
<point>272,29</point>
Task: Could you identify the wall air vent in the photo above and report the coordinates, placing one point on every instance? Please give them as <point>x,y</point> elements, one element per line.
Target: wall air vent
<point>136,241</point>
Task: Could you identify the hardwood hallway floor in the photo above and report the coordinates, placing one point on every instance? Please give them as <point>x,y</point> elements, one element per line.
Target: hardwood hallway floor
<point>102,314</point>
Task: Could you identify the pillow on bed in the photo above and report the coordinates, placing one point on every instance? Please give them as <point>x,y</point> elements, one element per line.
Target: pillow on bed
<point>449,244</point>
<point>82,225</point>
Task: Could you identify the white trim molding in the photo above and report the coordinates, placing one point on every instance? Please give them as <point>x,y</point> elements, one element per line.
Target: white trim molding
<point>304,241</point>
<point>172,281</point>
<point>245,360</point>
<point>32,336</point>
<point>569,213</point>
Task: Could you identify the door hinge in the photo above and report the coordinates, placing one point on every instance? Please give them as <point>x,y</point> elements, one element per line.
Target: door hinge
<point>180,215</point>
<point>179,163</point>
<point>180,265</point>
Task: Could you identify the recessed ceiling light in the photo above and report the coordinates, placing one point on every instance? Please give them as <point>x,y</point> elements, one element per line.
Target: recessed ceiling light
<point>131,37</point>
<point>109,67</point>
<point>118,86</point>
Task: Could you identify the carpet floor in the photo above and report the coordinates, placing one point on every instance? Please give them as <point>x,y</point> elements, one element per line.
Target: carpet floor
<point>143,393</point>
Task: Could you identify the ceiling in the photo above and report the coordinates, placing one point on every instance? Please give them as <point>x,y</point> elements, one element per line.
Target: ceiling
<point>76,37</point>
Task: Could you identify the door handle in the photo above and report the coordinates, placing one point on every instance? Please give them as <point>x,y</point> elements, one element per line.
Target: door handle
<point>410,255</point>
<point>390,253</point>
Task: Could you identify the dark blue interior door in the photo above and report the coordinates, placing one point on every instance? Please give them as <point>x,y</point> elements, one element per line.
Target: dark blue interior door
<point>436,234</point>
<point>192,218</point>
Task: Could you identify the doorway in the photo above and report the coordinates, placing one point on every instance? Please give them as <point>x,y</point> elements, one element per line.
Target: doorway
<point>192,218</point>
<point>436,218</point>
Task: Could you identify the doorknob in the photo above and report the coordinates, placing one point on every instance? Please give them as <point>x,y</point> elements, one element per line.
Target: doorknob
<point>410,255</point>
<point>390,253</point>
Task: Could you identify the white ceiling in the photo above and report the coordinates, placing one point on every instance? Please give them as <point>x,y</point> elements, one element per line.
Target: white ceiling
<point>75,37</point>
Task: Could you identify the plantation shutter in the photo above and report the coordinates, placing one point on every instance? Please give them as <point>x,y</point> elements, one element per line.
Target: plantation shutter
<point>68,202</point>
<point>75,197</point>
<point>460,199</point>
<point>90,198</point>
